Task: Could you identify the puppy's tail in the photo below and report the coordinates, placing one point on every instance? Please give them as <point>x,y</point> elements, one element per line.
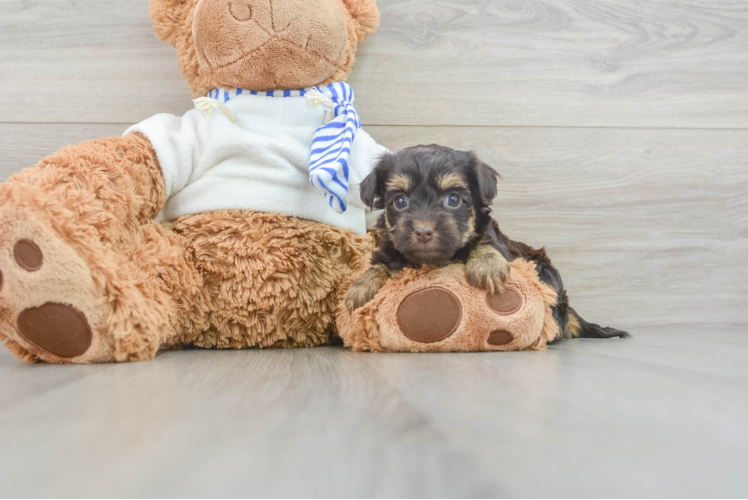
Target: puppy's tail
<point>578,327</point>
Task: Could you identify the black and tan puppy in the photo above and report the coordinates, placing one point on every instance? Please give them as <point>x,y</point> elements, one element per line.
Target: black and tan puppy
<point>436,204</point>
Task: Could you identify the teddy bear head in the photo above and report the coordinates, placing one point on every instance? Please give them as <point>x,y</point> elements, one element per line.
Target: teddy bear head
<point>263,44</point>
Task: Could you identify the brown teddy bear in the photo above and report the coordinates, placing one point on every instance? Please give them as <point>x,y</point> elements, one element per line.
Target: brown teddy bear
<point>262,229</point>
<point>256,237</point>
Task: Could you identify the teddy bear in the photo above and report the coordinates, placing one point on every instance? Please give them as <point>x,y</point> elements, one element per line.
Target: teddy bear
<point>239,224</point>
<point>232,226</point>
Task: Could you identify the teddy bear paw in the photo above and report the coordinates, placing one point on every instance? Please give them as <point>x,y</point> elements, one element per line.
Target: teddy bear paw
<point>48,306</point>
<point>433,315</point>
<point>438,311</point>
<point>505,303</point>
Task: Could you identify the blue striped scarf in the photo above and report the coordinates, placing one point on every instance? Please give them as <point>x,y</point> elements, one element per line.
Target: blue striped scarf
<point>331,143</point>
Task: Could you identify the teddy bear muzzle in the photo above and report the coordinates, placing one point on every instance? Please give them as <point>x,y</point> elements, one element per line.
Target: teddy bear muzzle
<point>269,45</point>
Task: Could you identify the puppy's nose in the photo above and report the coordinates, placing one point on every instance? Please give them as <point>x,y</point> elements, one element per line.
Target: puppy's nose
<point>424,234</point>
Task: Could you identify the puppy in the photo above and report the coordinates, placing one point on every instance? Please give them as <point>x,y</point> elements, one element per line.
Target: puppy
<point>436,211</point>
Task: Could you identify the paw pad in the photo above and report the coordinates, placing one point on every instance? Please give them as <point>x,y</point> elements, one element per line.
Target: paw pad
<point>28,255</point>
<point>500,337</point>
<point>429,315</point>
<point>57,328</point>
<point>507,302</point>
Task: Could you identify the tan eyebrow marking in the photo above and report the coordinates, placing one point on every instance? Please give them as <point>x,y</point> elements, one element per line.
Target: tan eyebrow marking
<point>400,182</point>
<point>450,180</point>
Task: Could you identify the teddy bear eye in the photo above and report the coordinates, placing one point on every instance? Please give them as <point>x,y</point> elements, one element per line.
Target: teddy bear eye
<point>453,201</point>
<point>241,11</point>
<point>401,202</point>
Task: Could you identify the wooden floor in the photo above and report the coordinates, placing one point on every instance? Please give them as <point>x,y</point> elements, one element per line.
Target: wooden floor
<point>620,128</point>
<point>662,414</point>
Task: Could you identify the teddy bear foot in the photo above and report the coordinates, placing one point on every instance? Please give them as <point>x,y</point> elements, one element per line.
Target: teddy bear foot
<point>48,299</point>
<point>438,311</point>
<point>435,314</point>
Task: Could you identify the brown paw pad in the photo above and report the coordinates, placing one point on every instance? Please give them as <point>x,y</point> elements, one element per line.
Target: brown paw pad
<point>57,328</point>
<point>429,315</point>
<point>500,337</point>
<point>506,302</point>
<point>28,255</point>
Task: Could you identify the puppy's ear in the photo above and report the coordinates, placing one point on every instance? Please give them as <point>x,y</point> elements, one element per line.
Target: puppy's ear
<point>369,189</point>
<point>488,180</point>
<point>374,185</point>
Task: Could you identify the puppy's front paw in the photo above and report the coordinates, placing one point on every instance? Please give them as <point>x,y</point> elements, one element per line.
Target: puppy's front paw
<point>366,287</point>
<point>359,295</point>
<point>487,269</point>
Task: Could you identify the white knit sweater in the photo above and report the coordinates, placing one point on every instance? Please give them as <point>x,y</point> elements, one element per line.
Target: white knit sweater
<point>260,162</point>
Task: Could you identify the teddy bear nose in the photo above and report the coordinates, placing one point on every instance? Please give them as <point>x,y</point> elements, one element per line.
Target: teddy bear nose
<point>424,234</point>
<point>241,11</point>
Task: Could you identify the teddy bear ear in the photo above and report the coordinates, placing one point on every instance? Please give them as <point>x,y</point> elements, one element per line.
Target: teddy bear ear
<point>366,15</point>
<point>168,17</point>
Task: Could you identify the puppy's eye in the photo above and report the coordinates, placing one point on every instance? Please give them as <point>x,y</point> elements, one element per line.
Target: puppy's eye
<point>453,201</point>
<point>401,202</point>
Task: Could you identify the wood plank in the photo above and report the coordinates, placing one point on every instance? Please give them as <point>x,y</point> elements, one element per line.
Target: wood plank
<point>95,61</point>
<point>595,418</point>
<point>648,227</point>
<point>19,377</point>
<point>617,63</point>
<point>623,63</point>
<point>659,415</point>
<point>274,423</point>
<point>24,144</point>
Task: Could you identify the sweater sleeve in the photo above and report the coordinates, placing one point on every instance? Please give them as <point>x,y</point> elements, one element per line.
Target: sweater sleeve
<point>177,142</point>
<point>365,154</point>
